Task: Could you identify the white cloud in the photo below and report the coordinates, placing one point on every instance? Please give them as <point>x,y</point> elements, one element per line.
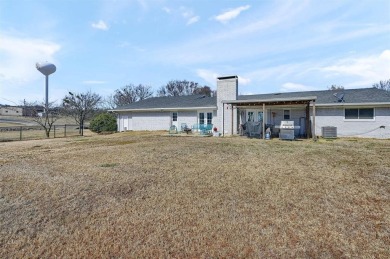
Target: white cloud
<point>211,77</point>
<point>367,70</point>
<point>100,25</point>
<point>193,19</point>
<point>243,80</point>
<point>231,14</point>
<point>19,56</point>
<point>208,76</point>
<point>167,10</point>
<point>93,82</point>
<point>189,15</point>
<point>293,87</point>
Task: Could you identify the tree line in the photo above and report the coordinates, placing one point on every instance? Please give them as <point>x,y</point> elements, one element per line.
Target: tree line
<point>132,93</point>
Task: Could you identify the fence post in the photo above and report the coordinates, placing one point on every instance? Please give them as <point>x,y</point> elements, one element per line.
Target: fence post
<point>65,131</point>
<point>20,136</point>
<point>54,131</point>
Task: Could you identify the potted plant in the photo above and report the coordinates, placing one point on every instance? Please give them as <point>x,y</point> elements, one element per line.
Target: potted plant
<point>215,132</point>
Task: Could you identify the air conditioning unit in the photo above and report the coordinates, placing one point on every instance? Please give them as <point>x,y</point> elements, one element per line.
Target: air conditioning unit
<point>329,132</point>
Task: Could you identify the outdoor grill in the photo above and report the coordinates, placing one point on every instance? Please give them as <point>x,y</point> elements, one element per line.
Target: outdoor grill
<point>287,130</point>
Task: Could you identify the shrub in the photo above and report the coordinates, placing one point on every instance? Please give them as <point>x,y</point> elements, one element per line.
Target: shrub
<point>103,122</point>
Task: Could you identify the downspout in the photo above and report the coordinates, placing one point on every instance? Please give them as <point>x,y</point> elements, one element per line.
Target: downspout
<point>223,120</point>
<point>232,118</point>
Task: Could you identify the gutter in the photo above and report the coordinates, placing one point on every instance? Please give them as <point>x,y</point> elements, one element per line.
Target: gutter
<point>352,104</point>
<point>163,109</point>
<point>299,99</point>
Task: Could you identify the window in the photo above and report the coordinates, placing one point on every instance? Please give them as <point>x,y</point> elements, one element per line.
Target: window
<point>201,118</point>
<point>250,116</point>
<point>209,118</point>
<point>260,116</point>
<point>174,116</point>
<point>359,114</point>
<point>286,114</point>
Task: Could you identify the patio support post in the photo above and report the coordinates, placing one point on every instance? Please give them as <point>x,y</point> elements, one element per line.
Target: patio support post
<point>308,120</point>
<point>264,116</point>
<point>314,121</point>
<point>232,117</point>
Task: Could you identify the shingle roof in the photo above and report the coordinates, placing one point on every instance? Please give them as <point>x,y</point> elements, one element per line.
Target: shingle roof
<point>167,102</point>
<point>364,95</point>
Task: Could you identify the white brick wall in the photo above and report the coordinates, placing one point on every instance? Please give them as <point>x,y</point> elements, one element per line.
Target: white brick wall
<point>160,120</point>
<point>370,129</point>
<point>227,89</point>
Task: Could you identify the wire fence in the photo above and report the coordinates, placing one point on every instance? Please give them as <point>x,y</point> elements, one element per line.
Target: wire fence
<point>16,133</point>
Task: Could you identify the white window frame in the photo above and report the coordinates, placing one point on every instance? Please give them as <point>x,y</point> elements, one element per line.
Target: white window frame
<point>289,114</point>
<point>358,119</point>
<point>205,112</point>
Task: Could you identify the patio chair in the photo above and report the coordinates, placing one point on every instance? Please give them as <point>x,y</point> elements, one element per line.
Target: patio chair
<point>195,128</point>
<point>172,130</point>
<point>206,129</point>
<point>183,127</point>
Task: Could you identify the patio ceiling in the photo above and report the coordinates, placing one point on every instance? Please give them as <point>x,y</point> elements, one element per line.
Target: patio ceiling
<point>274,101</point>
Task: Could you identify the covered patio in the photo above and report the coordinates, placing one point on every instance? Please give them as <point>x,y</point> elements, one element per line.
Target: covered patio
<point>267,104</point>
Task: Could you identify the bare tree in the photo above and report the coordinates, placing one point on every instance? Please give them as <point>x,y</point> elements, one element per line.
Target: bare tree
<point>81,106</point>
<point>183,87</point>
<point>131,93</point>
<point>108,103</point>
<point>384,85</point>
<point>143,92</point>
<point>336,87</point>
<point>43,115</point>
<point>205,90</point>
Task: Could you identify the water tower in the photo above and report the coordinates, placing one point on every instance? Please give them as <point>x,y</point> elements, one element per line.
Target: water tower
<point>47,69</point>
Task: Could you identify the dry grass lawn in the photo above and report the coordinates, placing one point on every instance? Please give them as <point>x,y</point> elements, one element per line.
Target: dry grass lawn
<point>147,195</point>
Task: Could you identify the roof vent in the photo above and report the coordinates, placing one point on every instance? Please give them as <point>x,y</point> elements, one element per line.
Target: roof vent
<point>340,97</point>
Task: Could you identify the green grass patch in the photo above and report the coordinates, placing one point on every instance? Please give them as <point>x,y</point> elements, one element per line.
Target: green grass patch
<point>109,165</point>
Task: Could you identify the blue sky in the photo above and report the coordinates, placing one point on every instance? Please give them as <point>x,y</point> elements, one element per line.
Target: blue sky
<point>272,46</point>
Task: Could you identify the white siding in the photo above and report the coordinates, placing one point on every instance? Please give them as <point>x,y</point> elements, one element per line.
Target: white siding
<point>151,120</point>
<point>324,117</point>
<point>371,129</point>
<point>155,120</point>
<point>188,117</point>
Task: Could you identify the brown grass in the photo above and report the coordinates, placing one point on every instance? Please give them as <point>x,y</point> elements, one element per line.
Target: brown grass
<point>149,195</point>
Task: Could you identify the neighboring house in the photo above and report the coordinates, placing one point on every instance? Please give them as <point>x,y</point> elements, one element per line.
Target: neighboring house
<point>11,110</point>
<point>32,111</point>
<point>354,112</point>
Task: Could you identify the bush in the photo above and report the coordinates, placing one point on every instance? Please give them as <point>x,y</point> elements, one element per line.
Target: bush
<point>103,122</point>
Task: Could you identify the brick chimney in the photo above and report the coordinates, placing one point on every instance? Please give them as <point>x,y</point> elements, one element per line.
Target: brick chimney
<point>227,89</point>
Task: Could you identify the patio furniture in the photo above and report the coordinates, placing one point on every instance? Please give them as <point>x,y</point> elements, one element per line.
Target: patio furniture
<point>185,128</point>
<point>206,129</point>
<point>172,130</point>
<point>251,129</point>
<point>195,127</point>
